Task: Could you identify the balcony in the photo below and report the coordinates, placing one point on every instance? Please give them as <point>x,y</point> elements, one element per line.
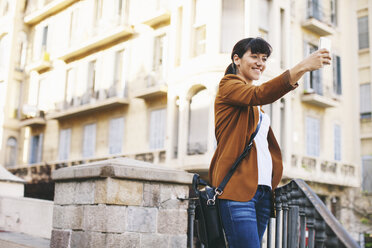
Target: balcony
<point>318,27</point>
<point>32,117</point>
<point>323,171</point>
<point>317,20</point>
<point>41,65</point>
<point>96,41</point>
<point>35,15</point>
<point>318,100</point>
<point>102,100</point>
<point>155,87</point>
<point>159,17</point>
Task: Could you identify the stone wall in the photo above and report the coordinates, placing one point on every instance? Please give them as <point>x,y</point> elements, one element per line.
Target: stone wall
<point>120,203</point>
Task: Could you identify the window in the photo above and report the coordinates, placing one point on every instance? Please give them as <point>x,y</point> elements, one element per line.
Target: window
<point>334,16</point>
<point>337,86</point>
<point>4,7</point>
<point>98,4</point>
<point>3,53</point>
<point>22,50</point>
<point>36,149</point>
<point>232,16</point>
<point>199,27</point>
<point>198,123</point>
<point>365,101</point>
<point>64,144</point>
<point>159,54</point>
<point>337,142</point>
<point>363,34</point>
<point>116,135</point>
<point>44,41</point>
<point>119,74</point>
<point>45,102</point>
<point>314,9</point>
<point>312,136</point>
<point>157,128</point>
<point>264,6</point>
<point>89,140</point>
<point>15,103</point>
<point>70,85</point>
<point>74,25</point>
<point>313,79</point>
<point>92,74</point>
<point>175,127</point>
<point>11,152</point>
<point>367,173</point>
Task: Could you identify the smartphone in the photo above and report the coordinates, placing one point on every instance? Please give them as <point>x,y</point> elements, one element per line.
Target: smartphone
<point>325,42</point>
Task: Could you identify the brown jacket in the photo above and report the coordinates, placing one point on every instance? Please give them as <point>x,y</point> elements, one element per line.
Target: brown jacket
<point>236,118</point>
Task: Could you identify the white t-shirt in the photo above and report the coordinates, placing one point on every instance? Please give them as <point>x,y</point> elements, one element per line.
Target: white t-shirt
<point>264,161</point>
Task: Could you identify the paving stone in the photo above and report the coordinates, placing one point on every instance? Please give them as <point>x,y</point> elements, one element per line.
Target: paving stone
<point>125,240</point>
<point>179,241</point>
<point>84,192</point>
<point>64,193</point>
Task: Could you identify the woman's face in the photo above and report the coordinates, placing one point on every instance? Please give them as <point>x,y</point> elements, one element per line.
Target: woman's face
<point>251,65</point>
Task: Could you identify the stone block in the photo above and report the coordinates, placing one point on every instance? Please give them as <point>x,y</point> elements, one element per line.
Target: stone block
<point>84,192</point>
<point>88,240</point>
<point>172,221</point>
<point>60,239</point>
<point>119,192</point>
<point>169,194</point>
<point>64,193</point>
<point>141,219</point>
<point>154,240</point>
<point>179,241</point>
<point>102,218</point>
<point>68,217</point>
<point>125,240</point>
<point>151,195</point>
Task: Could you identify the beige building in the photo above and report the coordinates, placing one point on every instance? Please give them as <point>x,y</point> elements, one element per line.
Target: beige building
<point>364,13</point>
<point>109,78</point>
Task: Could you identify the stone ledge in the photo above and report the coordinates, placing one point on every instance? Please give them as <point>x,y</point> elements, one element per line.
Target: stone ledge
<point>123,168</point>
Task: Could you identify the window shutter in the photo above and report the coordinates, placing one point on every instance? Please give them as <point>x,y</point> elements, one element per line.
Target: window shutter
<point>337,142</point>
<point>307,74</point>
<point>363,32</point>
<point>116,134</point>
<point>39,148</point>
<point>64,144</point>
<point>89,142</point>
<point>337,86</point>
<point>157,128</point>
<point>365,98</point>
<point>312,136</point>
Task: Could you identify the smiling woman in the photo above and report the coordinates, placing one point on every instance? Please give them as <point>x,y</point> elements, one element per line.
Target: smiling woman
<point>246,202</point>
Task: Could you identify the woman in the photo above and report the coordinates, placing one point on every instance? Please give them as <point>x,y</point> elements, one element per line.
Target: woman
<point>246,202</point>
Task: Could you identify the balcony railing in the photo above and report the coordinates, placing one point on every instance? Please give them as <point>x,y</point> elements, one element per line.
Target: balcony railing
<point>41,172</point>
<point>153,86</point>
<point>88,102</point>
<point>298,210</point>
<point>323,171</point>
<point>36,12</point>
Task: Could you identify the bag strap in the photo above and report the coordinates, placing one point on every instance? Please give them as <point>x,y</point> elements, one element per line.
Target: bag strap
<point>219,189</point>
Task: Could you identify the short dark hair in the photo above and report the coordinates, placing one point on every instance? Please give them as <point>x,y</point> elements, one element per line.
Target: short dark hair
<point>255,45</point>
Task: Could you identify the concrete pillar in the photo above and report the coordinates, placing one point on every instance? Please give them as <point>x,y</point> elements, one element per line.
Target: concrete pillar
<point>120,203</point>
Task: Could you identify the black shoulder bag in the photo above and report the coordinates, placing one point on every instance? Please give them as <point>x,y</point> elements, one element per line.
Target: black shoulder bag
<point>207,216</point>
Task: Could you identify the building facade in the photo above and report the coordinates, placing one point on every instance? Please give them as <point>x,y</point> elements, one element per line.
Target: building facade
<point>110,78</point>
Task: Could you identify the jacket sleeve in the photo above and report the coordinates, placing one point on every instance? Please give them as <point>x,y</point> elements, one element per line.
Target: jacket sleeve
<point>233,90</point>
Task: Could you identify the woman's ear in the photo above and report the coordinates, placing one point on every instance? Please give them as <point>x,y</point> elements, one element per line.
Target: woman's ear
<point>236,59</point>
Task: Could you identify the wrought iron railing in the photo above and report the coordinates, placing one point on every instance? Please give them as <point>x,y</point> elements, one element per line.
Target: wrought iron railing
<point>302,220</point>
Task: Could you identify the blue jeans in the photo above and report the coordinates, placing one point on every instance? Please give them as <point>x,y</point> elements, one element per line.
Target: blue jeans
<point>245,222</point>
